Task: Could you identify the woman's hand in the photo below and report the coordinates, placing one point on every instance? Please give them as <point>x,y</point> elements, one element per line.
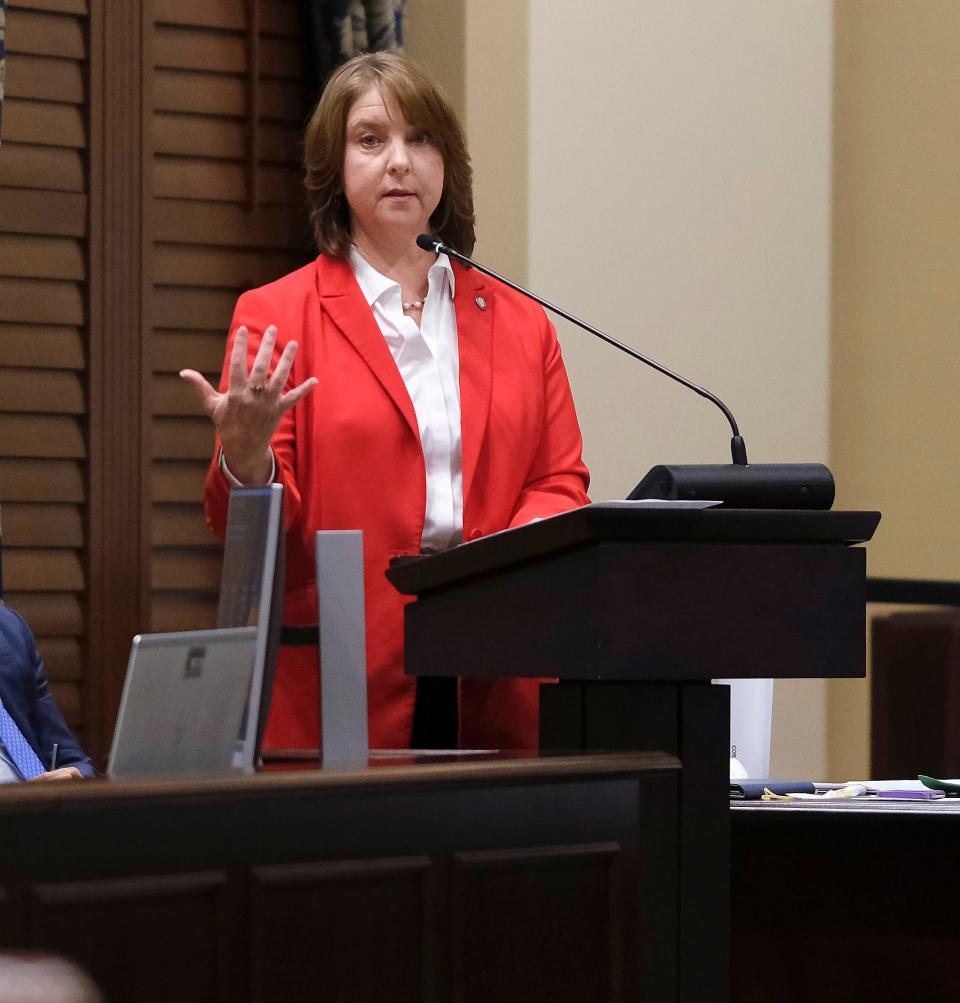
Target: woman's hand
<point>247,415</point>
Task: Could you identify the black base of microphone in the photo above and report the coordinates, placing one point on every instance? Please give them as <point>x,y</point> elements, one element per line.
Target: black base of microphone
<point>758,485</point>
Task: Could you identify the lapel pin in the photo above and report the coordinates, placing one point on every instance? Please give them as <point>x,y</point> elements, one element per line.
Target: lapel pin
<point>482,303</point>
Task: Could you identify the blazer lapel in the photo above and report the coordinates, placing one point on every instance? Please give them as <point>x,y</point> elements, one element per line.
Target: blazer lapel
<point>474,304</point>
<point>341,298</point>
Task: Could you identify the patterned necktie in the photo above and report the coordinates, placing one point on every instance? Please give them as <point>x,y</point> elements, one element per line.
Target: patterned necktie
<point>18,748</point>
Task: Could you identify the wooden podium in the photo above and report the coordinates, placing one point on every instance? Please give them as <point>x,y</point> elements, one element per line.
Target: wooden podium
<point>634,609</point>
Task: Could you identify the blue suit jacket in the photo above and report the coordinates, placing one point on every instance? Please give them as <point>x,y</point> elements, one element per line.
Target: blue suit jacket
<point>26,696</point>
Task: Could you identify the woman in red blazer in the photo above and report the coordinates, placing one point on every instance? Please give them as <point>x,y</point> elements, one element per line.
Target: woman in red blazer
<point>312,392</point>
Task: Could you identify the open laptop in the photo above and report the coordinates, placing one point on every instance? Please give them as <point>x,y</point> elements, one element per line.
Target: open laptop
<point>183,702</point>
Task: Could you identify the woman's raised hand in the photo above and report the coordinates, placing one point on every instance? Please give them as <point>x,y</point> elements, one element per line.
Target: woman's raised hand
<point>247,414</point>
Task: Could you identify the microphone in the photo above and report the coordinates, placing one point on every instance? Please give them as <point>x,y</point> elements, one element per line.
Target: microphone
<point>738,484</point>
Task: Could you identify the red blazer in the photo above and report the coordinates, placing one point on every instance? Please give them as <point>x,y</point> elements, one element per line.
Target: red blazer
<point>349,457</point>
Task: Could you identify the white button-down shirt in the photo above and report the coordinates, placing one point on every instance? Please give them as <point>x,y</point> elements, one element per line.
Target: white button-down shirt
<point>429,362</point>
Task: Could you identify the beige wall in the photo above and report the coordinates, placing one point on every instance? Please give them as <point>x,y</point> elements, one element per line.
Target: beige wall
<point>676,188</point>
<point>679,197</point>
<point>895,419</point>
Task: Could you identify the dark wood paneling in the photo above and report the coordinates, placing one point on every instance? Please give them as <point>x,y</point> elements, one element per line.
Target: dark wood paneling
<point>52,168</point>
<point>348,881</point>
<point>40,257</point>
<point>500,897</point>
<point>41,345</point>
<point>41,480</point>
<point>179,526</point>
<point>40,301</point>
<point>50,614</point>
<point>178,221</point>
<point>44,123</point>
<point>41,435</point>
<point>104,922</point>
<point>42,525</point>
<point>118,526</point>
<point>55,213</point>
<point>39,570</point>
<point>45,392</point>
<point>45,34</point>
<point>225,94</point>
<point>392,901</point>
<point>44,79</point>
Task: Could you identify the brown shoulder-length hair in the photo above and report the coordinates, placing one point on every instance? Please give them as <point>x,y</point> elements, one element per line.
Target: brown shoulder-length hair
<point>424,107</point>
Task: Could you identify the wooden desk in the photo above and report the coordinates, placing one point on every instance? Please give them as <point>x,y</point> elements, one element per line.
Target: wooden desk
<point>846,902</point>
<point>515,879</point>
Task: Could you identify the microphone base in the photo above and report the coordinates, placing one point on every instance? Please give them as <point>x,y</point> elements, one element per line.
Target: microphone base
<point>758,485</point>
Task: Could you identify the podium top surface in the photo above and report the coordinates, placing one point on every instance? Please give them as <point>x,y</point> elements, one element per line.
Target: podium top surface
<point>622,522</point>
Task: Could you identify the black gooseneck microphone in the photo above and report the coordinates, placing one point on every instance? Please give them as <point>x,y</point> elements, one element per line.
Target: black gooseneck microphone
<point>738,484</point>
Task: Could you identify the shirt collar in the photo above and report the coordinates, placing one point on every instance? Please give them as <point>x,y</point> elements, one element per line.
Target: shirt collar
<point>373,284</point>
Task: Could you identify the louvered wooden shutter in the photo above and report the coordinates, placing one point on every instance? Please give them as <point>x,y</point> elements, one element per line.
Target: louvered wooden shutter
<point>228,214</point>
<point>43,313</point>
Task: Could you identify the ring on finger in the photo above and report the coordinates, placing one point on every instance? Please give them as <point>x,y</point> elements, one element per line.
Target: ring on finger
<point>258,388</point>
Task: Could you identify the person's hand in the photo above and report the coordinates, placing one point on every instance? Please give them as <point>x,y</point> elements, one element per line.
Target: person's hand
<point>63,773</point>
<point>247,415</point>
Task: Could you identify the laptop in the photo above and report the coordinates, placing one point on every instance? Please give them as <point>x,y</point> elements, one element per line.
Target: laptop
<point>183,703</point>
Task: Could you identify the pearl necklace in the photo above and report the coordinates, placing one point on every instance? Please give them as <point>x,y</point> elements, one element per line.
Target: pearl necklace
<point>415,305</point>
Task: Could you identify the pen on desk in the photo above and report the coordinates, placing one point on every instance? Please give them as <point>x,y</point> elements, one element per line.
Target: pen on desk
<point>53,756</point>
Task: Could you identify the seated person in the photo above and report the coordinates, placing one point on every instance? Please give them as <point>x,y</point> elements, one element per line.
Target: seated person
<point>31,725</point>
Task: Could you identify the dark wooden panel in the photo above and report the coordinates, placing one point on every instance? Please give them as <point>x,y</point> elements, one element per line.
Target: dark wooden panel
<point>45,346</point>
<point>54,391</point>
<point>217,224</point>
<point>56,213</point>
<point>55,6</point>
<point>41,480</point>
<point>390,901</point>
<point>175,350</point>
<point>178,526</point>
<point>570,896</point>
<point>181,568</point>
<point>193,135</point>
<point>193,309</point>
<point>44,79</point>
<point>115,928</point>
<point>62,657</point>
<point>190,611</point>
<point>176,482</point>
<point>37,301</point>
<point>189,49</point>
<point>42,525</point>
<point>32,569</point>
<point>68,698</point>
<point>223,268</point>
<point>9,920</point>
<point>49,167</point>
<point>223,94</point>
<point>220,181</point>
<point>42,34</point>
<point>173,396</point>
<point>182,438</point>
<point>50,614</point>
<point>44,123</point>
<point>275,18</point>
<point>40,257</point>
<point>33,435</point>
<point>915,703</point>
<point>881,934</point>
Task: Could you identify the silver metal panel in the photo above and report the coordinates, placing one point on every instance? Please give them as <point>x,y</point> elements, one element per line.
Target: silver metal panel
<point>343,649</point>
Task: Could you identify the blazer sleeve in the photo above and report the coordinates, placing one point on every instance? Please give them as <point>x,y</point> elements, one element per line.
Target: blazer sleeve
<point>558,478</point>
<point>255,312</point>
<point>43,715</point>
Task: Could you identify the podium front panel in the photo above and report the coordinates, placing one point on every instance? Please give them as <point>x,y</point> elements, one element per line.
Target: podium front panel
<point>655,611</point>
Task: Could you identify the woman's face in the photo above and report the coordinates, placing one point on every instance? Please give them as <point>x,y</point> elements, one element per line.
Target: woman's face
<point>392,172</point>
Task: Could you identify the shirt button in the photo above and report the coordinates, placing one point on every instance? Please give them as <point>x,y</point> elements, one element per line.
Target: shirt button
<point>475,534</point>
